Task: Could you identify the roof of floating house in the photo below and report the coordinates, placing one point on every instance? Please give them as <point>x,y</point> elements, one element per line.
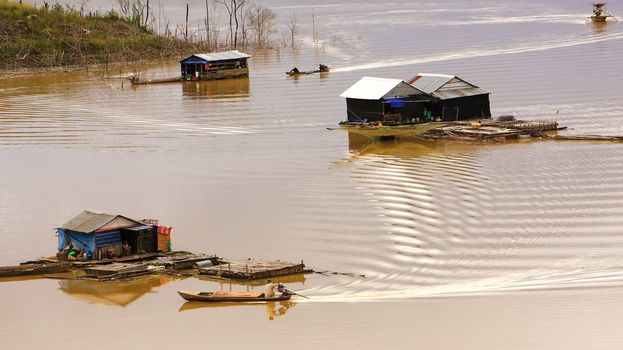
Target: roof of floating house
<point>369,88</point>
<point>445,86</point>
<point>214,56</point>
<point>90,221</point>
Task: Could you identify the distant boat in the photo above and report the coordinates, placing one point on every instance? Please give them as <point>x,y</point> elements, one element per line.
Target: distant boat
<point>377,130</point>
<point>305,72</point>
<point>230,297</point>
<point>321,69</point>
<point>599,14</point>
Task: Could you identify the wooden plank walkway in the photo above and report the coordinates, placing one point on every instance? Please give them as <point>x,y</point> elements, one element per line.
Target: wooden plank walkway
<point>253,269</point>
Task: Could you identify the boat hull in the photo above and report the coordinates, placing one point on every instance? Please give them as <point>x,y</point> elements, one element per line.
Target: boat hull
<point>294,74</point>
<point>229,297</point>
<point>389,131</point>
<point>599,18</point>
<point>34,269</point>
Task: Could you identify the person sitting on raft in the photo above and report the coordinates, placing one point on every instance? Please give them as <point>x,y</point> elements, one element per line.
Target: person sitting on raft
<point>294,70</point>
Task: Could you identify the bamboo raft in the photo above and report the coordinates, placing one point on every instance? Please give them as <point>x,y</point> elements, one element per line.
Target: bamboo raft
<point>491,130</point>
<point>120,270</point>
<point>253,269</point>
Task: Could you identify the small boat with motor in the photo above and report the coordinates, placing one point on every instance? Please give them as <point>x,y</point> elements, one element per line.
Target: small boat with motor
<point>238,297</point>
<point>599,14</point>
<point>230,297</point>
<point>321,69</point>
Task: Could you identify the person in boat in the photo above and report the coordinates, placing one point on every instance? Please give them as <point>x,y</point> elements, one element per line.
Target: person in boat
<point>294,70</point>
<point>269,289</point>
<point>323,68</point>
<point>281,288</point>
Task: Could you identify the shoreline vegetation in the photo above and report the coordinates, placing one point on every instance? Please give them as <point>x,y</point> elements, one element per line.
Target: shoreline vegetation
<point>55,35</point>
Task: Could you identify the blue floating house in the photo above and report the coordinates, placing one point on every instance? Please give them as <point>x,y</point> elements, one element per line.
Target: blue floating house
<point>217,65</point>
<point>100,235</point>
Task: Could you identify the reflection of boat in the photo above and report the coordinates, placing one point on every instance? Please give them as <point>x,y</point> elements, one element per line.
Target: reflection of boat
<point>599,14</point>
<point>377,130</point>
<point>229,297</point>
<point>273,309</point>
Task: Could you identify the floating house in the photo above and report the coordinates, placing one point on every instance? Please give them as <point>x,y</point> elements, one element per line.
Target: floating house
<point>98,235</point>
<point>390,101</point>
<point>217,65</point>
<point>455,99</point>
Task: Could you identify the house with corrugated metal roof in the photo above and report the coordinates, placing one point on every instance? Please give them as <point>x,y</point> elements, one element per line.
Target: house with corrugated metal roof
<point>217,65</point>
<point>98,235</point>
<point>456,99</point>
<point>390,101</point>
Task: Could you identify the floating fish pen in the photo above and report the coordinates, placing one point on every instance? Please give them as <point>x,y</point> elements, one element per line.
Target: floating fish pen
<point>491,130</point>
<point>253,269</point>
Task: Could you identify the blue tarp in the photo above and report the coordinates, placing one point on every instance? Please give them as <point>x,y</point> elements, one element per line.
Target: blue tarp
<point>84,241</point>
<point>395,102</point>
<point>194,61</point>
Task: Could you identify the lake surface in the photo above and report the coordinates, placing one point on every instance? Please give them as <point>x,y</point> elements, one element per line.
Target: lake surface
<point>471,246</point>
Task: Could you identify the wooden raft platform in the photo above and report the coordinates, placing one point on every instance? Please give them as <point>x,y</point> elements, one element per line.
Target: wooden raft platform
<point>120,270</point>
<point>253,269</point>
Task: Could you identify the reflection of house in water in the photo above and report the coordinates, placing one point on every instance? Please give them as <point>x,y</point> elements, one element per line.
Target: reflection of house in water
<point>113,293</point>
<point>455,98</point>
<point>217,88</point>
<point>98,236</point>
<point>407,148</point>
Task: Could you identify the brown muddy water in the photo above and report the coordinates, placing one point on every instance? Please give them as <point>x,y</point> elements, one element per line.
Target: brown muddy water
<point>464,246</point>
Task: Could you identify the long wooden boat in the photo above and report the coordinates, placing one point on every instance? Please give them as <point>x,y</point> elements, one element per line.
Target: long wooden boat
<point>305,72</point>
<point>375,131</point>
<point>211,75</point>
<point>34,269</point>
<point>229,297</point>
<point>137,81</point>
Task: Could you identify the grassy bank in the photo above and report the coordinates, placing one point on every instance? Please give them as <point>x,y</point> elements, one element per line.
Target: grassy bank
<point>61,36</point>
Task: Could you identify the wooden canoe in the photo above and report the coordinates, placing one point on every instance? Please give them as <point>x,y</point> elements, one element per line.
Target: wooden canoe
<point>229,297</point>
<point>305,72</point>
<point>371,131</point>
<point>34,269</point>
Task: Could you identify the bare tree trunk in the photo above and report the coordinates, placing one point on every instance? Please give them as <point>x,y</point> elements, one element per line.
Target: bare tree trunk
<point>208,24</point>
<point>230,12</point>
<point>293,27</point>
<point>186,32</point>
<point>235,7</point>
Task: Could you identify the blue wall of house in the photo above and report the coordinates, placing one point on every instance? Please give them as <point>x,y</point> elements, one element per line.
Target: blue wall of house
<point>88,241</point>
